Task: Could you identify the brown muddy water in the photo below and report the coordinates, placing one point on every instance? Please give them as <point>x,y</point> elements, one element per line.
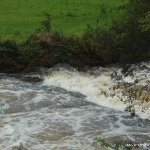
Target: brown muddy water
<point>65,109</point>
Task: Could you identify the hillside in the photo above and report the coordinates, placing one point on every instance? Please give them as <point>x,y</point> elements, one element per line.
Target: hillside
<point>19,18</point>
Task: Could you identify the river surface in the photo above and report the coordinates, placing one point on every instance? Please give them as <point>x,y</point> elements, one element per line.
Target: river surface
<point>64,109</point>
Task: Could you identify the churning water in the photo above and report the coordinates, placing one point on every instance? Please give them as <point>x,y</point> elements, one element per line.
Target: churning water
<point>65,109</point>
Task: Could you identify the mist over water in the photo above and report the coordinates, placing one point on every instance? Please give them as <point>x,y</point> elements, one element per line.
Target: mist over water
<point>62,108</point>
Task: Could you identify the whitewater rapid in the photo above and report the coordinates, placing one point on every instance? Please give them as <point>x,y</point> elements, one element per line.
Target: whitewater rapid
<point>98,86</point>
<point>65,109</point>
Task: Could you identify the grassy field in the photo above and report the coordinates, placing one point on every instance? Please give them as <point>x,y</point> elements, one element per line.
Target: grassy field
<point>19,18</point>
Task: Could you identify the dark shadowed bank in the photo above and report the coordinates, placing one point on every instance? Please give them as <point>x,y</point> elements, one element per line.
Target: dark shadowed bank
<point>126,41</point>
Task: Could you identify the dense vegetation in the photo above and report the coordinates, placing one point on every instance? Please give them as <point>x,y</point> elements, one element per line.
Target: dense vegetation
<point>125,41</point>
<point>19,18</point>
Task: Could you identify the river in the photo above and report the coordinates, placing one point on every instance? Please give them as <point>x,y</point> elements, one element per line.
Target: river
<point>62,108</point>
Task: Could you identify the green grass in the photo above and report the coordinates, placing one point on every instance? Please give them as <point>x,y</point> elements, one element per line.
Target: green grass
<point>19,18</point>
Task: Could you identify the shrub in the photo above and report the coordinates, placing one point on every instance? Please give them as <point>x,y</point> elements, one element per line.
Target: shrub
<point>46,23</point>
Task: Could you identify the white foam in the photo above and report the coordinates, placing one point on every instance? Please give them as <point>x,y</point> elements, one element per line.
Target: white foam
<point>7,130</point>
<point>147,64</point>
<point>97,88</point>
<point>143,114</point>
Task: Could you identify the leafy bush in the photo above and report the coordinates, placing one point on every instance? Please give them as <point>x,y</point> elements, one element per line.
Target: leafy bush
<point>46,23</point>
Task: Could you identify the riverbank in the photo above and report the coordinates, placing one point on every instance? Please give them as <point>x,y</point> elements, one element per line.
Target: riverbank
<point>126,41</point>
<point>46,49</point>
